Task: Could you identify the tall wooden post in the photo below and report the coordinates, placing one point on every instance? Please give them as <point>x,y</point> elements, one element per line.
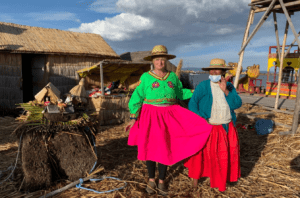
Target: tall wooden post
<point>297,103</point>
<point>246,34</point>
<point>281,65</point>
<point>102,79</point>
<point>277,36</point>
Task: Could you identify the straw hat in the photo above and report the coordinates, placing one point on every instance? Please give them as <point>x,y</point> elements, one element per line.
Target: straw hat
<point>159,50</point>
<point>217,63</point>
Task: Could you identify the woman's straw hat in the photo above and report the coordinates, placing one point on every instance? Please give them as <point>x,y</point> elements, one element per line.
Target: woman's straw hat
<point>217,63</point>
<point>159,50</point>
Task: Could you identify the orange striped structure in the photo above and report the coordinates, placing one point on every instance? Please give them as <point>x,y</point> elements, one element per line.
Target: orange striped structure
<point>291,64</point>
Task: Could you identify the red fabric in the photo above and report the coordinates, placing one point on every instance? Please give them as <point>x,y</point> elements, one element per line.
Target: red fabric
<point>219,159</point>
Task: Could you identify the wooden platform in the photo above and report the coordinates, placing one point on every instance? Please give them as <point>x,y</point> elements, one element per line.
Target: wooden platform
<point>262,5</point>
<point>267,102</point>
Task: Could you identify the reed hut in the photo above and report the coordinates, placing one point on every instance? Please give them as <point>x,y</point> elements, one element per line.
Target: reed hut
<point>112,109</point>
<point>31,57</point>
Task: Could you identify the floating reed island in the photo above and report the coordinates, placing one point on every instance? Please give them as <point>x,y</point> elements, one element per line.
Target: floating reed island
<point>270,165</point>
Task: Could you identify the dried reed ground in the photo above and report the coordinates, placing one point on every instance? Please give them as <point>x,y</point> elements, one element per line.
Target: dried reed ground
<point>270,165</point>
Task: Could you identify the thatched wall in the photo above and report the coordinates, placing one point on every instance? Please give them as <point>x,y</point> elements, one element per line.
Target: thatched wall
<point>110,109</point>
<point>62,70</point>
<point>10,76</point>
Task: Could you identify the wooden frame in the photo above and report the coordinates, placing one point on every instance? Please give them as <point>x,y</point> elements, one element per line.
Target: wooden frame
<point>274,6</point>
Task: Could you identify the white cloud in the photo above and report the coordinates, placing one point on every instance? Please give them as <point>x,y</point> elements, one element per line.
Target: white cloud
<point>54,16</point>
<point>105,6</point>
<point>168,18</point>
<point>121,27</point>
<point>205,10</point>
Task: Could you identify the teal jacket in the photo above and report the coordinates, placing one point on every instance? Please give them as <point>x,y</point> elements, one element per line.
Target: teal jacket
<point>201,101</point>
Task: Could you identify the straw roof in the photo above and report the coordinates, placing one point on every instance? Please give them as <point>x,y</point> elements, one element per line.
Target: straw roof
<point>116,69</point>
<point>26,39</point>
<point>49,90</point>
<point>139,57</point>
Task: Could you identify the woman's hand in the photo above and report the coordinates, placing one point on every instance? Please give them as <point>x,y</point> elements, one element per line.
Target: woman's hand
<point>130,124</point>
<point>223,85</point>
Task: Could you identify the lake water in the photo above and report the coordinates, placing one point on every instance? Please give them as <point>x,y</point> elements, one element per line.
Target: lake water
<point>195,79</point>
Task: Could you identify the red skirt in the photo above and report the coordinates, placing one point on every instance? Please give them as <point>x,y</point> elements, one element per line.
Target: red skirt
<point>219,159</point>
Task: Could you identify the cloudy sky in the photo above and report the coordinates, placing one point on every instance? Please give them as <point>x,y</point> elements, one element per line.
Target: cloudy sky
<point>194,30</point>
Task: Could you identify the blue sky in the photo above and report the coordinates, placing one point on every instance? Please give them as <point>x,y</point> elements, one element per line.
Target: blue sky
<point>194,30</point>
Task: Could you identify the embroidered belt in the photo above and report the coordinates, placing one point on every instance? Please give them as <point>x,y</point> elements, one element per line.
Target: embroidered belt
<point>162,105</point>
<point>160,100</point>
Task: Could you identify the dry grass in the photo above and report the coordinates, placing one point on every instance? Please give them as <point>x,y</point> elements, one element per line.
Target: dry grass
<point>270,166</point>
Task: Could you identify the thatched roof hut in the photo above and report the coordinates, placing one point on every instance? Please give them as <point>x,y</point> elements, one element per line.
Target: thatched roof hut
<point>139,57</point>
<point>114,70</point>
<point>31,57</point>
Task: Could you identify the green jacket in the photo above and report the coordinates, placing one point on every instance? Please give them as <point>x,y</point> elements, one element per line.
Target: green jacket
<point>153,89</point>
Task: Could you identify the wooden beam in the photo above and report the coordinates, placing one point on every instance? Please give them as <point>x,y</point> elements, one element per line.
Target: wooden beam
<point>259,2</point>
<point>297,103</point>
<point>246,34</point>
<point>102,79</point>
<point>289,49</point>
<point>46,70</point>
<point>277,110</point>
<point>276,33</point>
<point>281,64</point>
<point>262,20</point>
<point>290,21</point>
<point>294,3</point>
<point>276,123</point>
<point>262,113</point>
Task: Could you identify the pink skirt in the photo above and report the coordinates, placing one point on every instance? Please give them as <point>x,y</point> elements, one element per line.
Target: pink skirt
<point>168,134</point>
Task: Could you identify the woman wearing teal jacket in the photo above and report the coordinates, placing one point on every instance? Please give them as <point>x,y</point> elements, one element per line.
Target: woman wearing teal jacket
<point>215,100</point>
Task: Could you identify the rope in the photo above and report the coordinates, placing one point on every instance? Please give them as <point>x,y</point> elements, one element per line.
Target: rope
<point>81,180</point>
<point>15,163</point>
<point>78,185</point>
<point>101,192</point>
<point>95,150</point>
<point>1,172</point>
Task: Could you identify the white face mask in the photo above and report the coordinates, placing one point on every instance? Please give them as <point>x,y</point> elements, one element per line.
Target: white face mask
<point>215,78</point>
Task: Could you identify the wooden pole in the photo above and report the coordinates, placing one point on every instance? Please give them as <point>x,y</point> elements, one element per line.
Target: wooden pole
<point>178,70</point>
<point>261,21</point>
<point>281,65</point>
<point>276,33</point>
<point>297,103</point>
<point>251,16</point>
<point>289,49</point>
<point>102,79</point>
<point>259,2</point>
<point>289,4</point>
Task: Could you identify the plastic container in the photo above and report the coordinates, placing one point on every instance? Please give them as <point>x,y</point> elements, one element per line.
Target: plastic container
<point>264,127</point>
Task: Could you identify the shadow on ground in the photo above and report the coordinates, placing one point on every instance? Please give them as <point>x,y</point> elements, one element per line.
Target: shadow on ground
<point>251,144</point>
